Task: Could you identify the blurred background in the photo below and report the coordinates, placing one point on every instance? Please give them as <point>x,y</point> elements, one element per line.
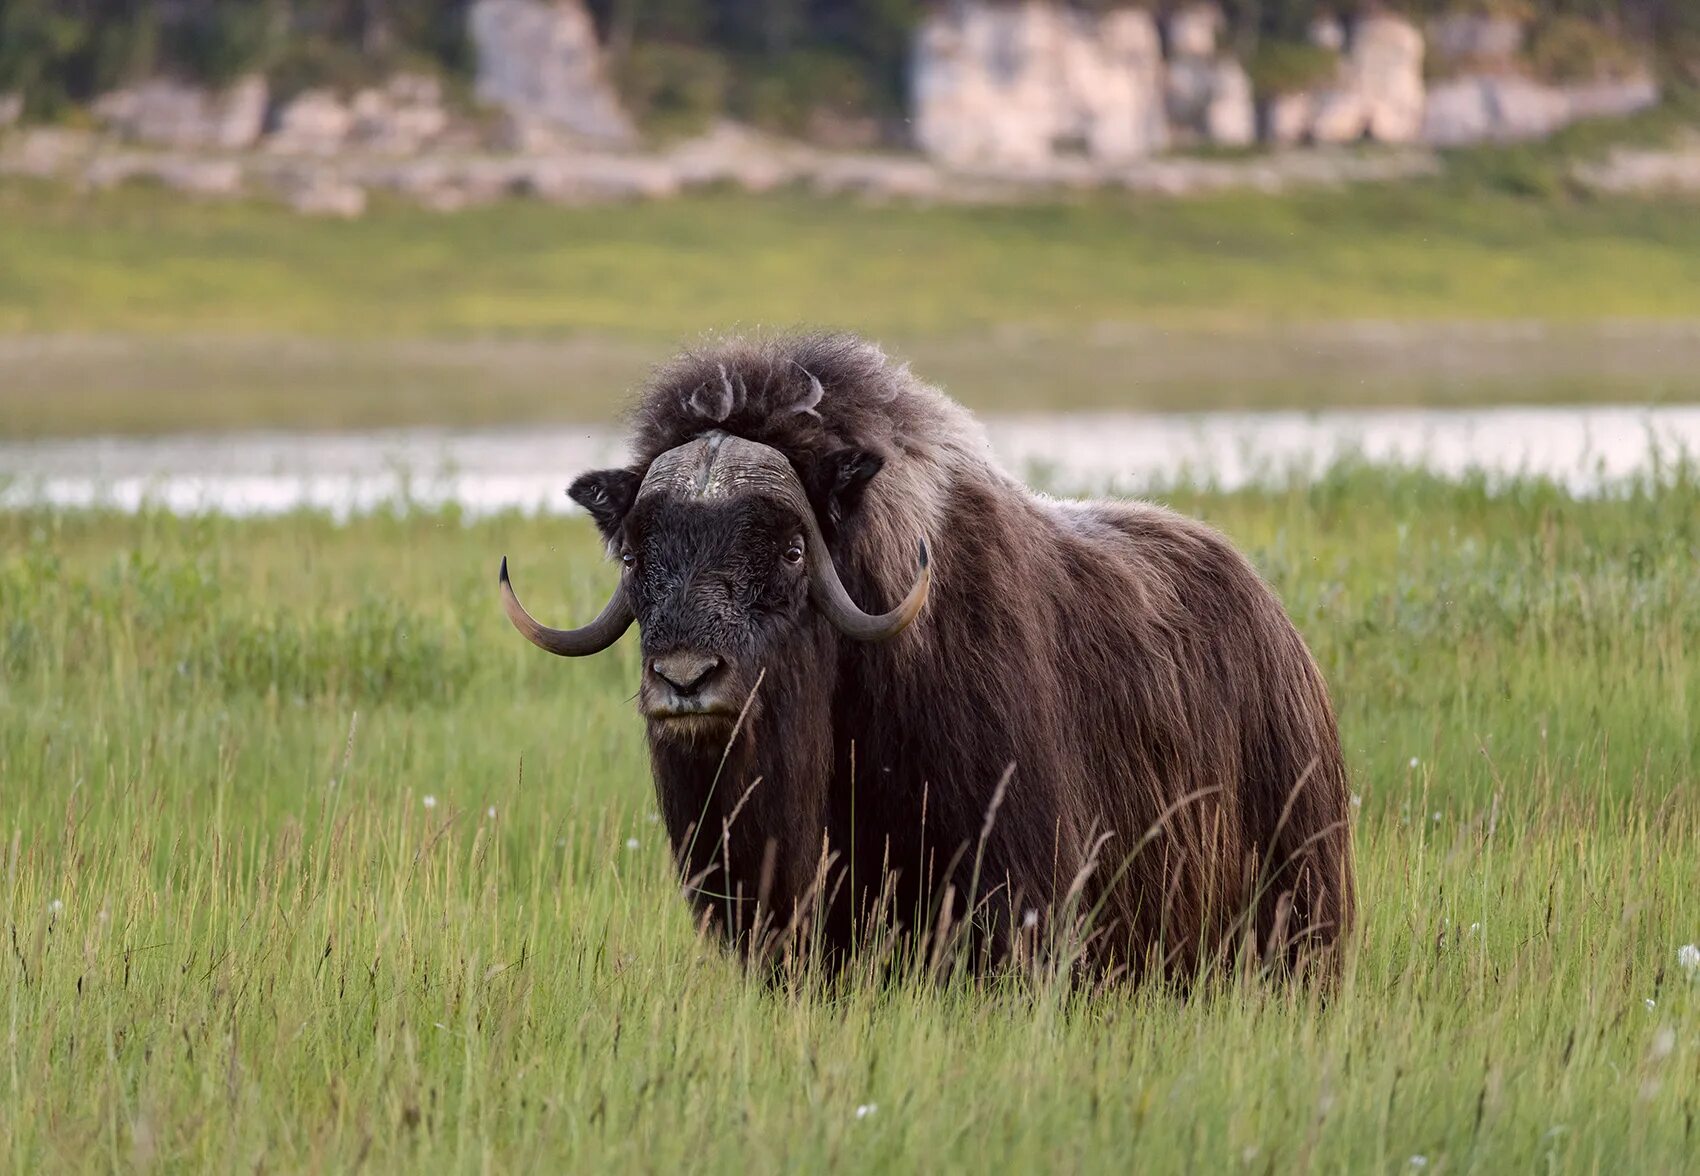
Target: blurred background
<point>1391,222</point>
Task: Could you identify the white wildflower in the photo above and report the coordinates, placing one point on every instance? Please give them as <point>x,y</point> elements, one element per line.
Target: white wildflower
<point>1475,928</point>
<point>1688,957</point>
<point>1435,817</point>
<point>54,907</point>
<point>1419,1161</point>
<point>430,801</point>
<point>866,1109</point>
<point>631,843</point>
<point>1357,801</point>
<point>491,812</point>
<point>1030,919</point>
<point>1651,1003</point>
<point>1415,762</point>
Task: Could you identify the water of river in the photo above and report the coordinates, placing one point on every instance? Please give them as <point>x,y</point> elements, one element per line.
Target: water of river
<point>1587,449</point>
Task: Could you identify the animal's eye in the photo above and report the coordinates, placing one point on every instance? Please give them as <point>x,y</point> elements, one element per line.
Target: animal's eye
<point>794,550</point>
<point>628,557</point>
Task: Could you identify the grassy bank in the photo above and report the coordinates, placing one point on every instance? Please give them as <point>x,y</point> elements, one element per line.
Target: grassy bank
<point>238,933</point>
<point>242,313</point>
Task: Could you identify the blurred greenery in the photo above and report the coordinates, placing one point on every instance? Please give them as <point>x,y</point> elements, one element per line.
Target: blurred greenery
<point>134,310</point>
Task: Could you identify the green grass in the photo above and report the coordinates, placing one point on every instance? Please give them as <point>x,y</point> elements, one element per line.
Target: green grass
<point>136,309</point>
<point>235,936</point>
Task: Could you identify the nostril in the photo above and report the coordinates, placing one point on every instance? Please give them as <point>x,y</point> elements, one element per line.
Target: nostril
<point>685,672</point>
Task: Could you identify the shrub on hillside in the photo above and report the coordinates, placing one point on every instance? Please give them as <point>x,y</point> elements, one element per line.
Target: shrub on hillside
<point>1572,49</point>
<point>1289,67</point>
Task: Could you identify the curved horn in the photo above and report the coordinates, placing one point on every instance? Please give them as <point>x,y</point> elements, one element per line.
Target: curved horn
<point>835,603</point>
<point>614,620</point>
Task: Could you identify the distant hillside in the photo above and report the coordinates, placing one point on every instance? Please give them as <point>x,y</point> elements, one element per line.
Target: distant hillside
<point>783,64</point>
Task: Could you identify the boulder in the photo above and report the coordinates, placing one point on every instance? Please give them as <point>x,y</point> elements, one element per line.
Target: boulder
<point>1013,87</point>
<point>591,179</point>
<point>729,153</point>
<point>189,174</point>
<point>401,117</point>
<point>43,152</point>
<point>1460,111</point>
<point>1186,92</point>
<point>1193,30</point>
<point>441,183</point>
<point>168,113</point>
<point>314,122</point>
<point>1338,116</point>
<point>541,64</point>
<point>1385,67</point>
<point>317,189</point>
<point>1206,96</point>
<point>881,177</point>
<point>1112,98</point>
<point>1287,119</point>
<point>1379,93</point>
<point>1509,108</point>
<point>1613,98</point>
<point>1673,170</point>
<point>1230,118</point>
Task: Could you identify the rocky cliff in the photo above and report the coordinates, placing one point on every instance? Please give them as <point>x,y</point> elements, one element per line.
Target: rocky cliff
<point>1003,96</point>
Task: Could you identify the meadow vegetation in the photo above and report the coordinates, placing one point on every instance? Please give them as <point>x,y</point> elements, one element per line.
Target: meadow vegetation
<point>138,311</point>
<point>310,861</point>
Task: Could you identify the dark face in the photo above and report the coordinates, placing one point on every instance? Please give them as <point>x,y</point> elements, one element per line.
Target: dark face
<point>725,566</point>
<point>721,591</point>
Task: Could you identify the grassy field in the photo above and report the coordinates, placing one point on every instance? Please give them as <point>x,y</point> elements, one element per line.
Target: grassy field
<point>312,862</point>
<point>135,310</point>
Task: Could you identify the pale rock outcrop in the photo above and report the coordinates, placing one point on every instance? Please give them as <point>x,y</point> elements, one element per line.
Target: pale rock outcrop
<point>1193,30</point>
<point>1487,99</point>
<point>189,174</point>
<point>539,61</point>
<point>318,191</point>
<point>1230,118</point>
<point>594,178</point>
<point>730,153</point>
<point>44,152</point>
<point>1287,118</point>
<point>1278,171</point>
<point>1015,87</point>
<point>882,177</point>
<point>1380,92</point>
<point>400,117</point>
<point>168,113</point>
<point>1207,95</point>
<point>1612,98</point>
<point>1672,170</point>
<point>1510,108</point>
<point>314,122</point>
<point>1386,67</point>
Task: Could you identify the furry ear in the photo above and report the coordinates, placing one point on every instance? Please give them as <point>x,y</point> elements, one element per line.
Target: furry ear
<point>838,480</point>
<point>607,495</point>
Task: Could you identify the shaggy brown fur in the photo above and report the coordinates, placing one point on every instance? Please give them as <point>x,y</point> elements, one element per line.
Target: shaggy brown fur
<point>1102,719</point>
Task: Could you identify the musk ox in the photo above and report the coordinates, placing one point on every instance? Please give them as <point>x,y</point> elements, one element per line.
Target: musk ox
<point>1082,728</point>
